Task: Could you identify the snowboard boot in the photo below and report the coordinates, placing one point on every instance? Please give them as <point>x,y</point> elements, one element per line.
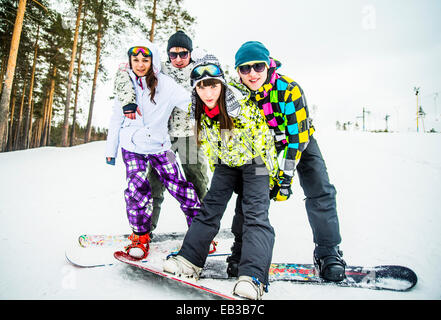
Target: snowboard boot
<point>329,263</point>
<point>234,259</point>
<point>180,266</point>
<point>249,287</point>
<point>139,248</point>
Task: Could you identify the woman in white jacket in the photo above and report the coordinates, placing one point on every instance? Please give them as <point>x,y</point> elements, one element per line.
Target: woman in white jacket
<point>141,131</point>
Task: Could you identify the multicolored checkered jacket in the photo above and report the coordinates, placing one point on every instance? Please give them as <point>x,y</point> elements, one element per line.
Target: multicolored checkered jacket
<point>250,137</point>
<point>283,104</point>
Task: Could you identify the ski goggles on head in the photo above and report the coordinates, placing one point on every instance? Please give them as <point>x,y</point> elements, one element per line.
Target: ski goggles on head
<point>211,70</point>
<point>258,67</point>
<point>182,55</point>
<point>134,51</point>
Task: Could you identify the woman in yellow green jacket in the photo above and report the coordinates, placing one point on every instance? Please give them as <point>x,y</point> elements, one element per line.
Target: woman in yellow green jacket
<point>241,151</point>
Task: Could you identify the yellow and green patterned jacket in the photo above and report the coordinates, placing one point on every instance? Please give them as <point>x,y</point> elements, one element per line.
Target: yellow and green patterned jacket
<point>249,139</point>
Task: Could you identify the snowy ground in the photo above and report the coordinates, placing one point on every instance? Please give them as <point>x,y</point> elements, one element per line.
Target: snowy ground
<point>389,191</point>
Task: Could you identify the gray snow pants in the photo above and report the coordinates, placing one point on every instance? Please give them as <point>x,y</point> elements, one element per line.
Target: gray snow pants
<point>320,199</point>
<point>257,232</point>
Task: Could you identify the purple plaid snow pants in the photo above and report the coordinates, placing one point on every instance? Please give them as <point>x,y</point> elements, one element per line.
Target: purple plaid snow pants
<point>138,195</point>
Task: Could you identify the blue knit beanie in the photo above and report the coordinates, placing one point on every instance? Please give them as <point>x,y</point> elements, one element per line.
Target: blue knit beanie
<point>252,51</point>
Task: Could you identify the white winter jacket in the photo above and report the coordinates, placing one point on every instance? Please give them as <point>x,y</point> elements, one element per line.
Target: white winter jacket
<point>147,134</point>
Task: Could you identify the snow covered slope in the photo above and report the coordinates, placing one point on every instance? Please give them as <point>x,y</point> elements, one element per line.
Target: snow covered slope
<point>389,191</point>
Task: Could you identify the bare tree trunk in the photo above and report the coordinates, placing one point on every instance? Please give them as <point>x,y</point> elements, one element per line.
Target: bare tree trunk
<point>28,122</point>
<point>38,141</point>
<point>11,122</point>
<point>50,107</point>
<point>36,135</point>
<point>10,71</point>
<point>80,52</point>
<point>95,76</point>
<point>152,28</point>
<point>65,132</point>
<point>20,116</point>
<point>3,71</point>
<point>29,136</point>
<point>42,134</point>
<point>48,111</point>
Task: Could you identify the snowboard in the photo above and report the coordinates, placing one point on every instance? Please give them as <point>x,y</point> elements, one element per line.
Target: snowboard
<point>108,240</point>
<point>96,250</point>
<point>385,277</point>
<point>154,266</point>
<point>94,257</point>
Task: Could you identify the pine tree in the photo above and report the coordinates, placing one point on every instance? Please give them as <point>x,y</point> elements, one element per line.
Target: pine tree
<point>64,138</point>
<point>10,71</point>
<point>111,18</point>
<point>167,17</point>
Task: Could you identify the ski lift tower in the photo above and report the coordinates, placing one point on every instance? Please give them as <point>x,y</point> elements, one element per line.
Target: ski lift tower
<point>422,114</point>
<point>364,118</point>
<point>386,118</point>
<point>417,91</point>
<point>435,96</point>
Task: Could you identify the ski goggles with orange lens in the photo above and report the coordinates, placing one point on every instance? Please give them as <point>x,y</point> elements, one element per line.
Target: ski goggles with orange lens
<point>134,51</point>
<point>246,68</point>
<point>211,70</point>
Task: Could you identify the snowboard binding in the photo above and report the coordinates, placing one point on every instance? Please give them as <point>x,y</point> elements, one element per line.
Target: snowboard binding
<point>329,263</point>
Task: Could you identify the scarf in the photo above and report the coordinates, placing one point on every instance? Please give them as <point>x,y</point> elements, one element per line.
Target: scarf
<point>211,113</point>
<point>139,81</point>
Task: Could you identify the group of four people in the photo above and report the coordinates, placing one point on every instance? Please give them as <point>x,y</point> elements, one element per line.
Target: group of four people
<point>240,129</point>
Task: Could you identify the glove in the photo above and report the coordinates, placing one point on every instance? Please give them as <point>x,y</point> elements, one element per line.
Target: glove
<point>283,193</point>
<point>282,190</point>
<point>130,110</point>
<point>274,191</point>
<point>110,161</point>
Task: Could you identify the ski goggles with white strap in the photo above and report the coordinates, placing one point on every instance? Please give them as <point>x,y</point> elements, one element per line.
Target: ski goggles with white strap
<point>210,70</point>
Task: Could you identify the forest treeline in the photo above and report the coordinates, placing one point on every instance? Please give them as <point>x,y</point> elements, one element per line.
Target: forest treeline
<point>51,58</point>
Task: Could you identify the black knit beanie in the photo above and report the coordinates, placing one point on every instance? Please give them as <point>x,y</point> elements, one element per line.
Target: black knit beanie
<point>180,39</point>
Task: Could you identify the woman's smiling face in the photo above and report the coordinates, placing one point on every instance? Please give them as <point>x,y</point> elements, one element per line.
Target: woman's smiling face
<point>140,64</point>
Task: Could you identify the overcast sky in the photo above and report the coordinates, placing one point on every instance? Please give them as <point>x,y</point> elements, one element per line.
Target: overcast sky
<point>345,54</point>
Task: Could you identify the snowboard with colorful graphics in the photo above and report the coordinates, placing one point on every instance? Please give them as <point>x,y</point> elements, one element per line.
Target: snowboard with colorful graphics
<point>99,250</point>
<point>96,250</point>
<point>153,265</point>
<point>215,281</point>
<point>107,240</point>
<point>385,277</point>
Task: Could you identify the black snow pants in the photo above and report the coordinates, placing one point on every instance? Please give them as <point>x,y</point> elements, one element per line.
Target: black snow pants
<point>257,232</point>
<point>320,199</point>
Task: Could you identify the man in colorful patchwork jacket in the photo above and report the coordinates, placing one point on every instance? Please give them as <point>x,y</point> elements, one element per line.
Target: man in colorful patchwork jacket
<point>282,102</point>
<point>193,161</point>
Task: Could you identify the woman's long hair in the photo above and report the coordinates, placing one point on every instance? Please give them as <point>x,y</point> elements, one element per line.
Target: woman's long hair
<point>225,122</point>
<point>152,83</point>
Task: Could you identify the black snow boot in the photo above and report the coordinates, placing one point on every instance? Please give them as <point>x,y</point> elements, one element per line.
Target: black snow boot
<point>234,259</point>
<point>329,263</point>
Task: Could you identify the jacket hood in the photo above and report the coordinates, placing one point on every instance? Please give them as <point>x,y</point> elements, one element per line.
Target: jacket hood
<point>156,59</point>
